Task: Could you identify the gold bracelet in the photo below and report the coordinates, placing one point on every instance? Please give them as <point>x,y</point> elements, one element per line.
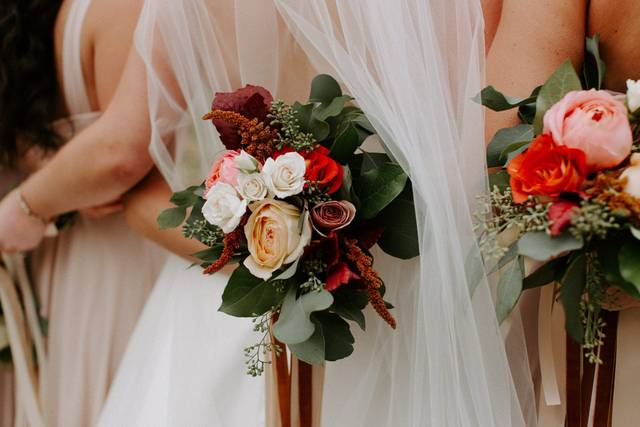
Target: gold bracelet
<point>27,209</point>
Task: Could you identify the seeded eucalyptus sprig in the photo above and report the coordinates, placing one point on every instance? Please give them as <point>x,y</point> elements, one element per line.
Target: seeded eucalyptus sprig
<point>290,134</point>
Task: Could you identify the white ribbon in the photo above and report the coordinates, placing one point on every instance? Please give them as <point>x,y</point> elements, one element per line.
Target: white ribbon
<point>549,377</point>
<point>24,366</point>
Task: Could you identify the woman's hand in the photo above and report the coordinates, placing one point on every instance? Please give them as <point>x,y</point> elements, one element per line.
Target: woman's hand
<point>19,231</point>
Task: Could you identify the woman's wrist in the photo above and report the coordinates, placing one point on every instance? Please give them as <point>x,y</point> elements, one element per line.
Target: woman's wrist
<point>29,205</point>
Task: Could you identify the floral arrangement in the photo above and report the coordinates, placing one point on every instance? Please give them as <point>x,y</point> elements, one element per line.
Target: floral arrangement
<point>296,204</point>
<point>566,193</point>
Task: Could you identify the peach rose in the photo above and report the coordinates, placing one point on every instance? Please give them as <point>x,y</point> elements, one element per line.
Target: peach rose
<point>594,122</point>
<point>224,170</point>
<point>276,236</point>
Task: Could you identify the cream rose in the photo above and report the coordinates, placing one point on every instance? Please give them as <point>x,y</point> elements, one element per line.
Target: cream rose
<point>276,236</point>
<point>224,208</point>
<point>285,175</point>
<point>633,95</point>
<point>246,163</point>
<point>252,186</point>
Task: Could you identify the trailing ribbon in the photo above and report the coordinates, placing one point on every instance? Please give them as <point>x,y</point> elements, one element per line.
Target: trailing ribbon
<point>24,365</point>
<point>292,381</point>
<point>549,377</point>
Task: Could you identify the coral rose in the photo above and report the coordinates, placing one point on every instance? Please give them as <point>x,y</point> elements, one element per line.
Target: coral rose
<point>275,236</point>
<point>224,170</point>
<point>594,122</point>
<point>546,169</point>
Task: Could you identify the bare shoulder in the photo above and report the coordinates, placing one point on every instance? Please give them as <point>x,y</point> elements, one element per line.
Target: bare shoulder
<point>110,25</point>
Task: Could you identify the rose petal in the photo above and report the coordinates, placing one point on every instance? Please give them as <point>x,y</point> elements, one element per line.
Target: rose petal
<point>339,275</point>
<point>560,215</point>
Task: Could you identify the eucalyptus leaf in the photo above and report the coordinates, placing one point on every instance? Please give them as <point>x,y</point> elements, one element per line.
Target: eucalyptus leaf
<point>629,262</point>
<point>542,247</point>
<point>608,255</point>
<point>509,288</point>
<point>400,236</point>
<point>561,82</point>
<point>334,108</point>
<point>345,145</point>
<point>571,292</point>
<point>511,253</point>
<point>185,198</point>
<point>324,89</point>
<point>338,340</point>
<point>495,100</point>
<point>504,139</point>
<point>209,255</point>
<point>311,350</point>
<point>172,217</point>
<point>248,296</point>
<point>594,68</point>
<point>545,274</point>
<point>309,123</point>
<point>379,187</point>
<point>349,304</point>
<point>635,232</point>
<point>294,324</point>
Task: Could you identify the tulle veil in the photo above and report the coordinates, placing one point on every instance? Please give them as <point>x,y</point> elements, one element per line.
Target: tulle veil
<point>414,67</point>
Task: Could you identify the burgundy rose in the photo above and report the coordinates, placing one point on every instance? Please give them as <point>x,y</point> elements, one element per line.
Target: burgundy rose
<point>560,215</point>
<point>253,102</point>
<point>338,275</point>
<point>333,215</point>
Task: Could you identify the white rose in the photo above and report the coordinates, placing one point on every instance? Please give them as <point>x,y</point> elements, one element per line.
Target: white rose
<point>633,95</point>
<point>224,208</point>
<point>252,186</point>
<point>276,236</point>
<point>285,175</point>
<point>246,163</point>
<point>632,173</point>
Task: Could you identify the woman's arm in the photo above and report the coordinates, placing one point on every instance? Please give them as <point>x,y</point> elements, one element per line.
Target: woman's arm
<point>143,205</point>
<point>532,39</point>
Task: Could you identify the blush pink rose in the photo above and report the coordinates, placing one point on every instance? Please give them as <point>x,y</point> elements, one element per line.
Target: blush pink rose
<point>592,121</point>
<point>223,170</point>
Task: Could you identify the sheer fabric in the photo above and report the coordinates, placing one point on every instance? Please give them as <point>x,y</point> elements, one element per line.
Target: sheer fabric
<point>413,66</point>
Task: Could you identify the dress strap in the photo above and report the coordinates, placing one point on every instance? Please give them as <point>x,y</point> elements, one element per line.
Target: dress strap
<point>75,90</point>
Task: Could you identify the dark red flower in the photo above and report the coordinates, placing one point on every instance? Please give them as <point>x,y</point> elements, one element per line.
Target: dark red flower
<point>253,102</point>
<point>324,170</point>
<point>340,274</point>
<point>560,215</point>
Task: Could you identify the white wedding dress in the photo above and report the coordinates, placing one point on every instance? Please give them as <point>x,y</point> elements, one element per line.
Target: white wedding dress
<point>413,66</point>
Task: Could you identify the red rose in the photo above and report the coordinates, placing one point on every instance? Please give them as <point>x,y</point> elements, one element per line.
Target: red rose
<point>338,275</point>
<point>324,170</point>
<point>546,169</point>
<point>253,102</point>
<point>560,215</point>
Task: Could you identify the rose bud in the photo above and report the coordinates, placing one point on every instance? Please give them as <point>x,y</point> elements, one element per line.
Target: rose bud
<point>332,216</point>
<point>592,121</point>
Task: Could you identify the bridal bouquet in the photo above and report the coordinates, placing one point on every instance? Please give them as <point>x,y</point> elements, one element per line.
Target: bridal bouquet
<point>296,205</point>
<point>566,193</point>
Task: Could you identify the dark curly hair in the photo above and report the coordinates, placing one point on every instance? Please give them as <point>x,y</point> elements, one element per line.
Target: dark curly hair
<point>29,93</point>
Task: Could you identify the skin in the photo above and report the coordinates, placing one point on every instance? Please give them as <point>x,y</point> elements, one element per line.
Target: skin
<point>111,156</point>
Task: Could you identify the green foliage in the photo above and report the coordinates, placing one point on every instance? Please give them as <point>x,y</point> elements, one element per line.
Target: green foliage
<point>593,68</point>
<point>400,236</point>
<point>377,188</point>
<point>629,264</point>
<point>509,288</point>
<point>294,324</point>
<point>332,340</point>
<point>248,296</point>
<point>349,303</point>
<point>542,247</point>
<point>497,101</point>
<point>290,133</point>
<point>572,287</point>
<point>562,81</point>
<point>547,273</point>
<point>506,141</point>
<point>172,217</point>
